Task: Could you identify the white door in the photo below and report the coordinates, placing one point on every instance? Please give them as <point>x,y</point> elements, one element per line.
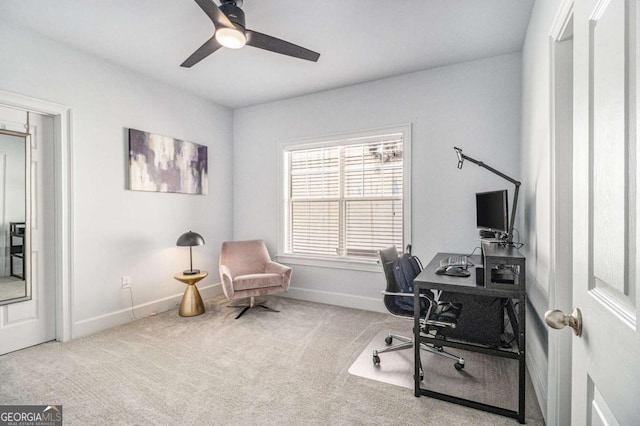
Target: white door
<point>33,321</point>
<point>606,237</point>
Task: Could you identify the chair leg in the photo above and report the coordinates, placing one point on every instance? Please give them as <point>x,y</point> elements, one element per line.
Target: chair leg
<point>399,337</point>
<point>250,304</point>
<point>440,351</point>
<point>397,347</point>
<point>407,343</point>
<point>245,309</point>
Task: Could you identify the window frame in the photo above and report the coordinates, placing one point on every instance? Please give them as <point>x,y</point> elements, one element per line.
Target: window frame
<point>345,138</point>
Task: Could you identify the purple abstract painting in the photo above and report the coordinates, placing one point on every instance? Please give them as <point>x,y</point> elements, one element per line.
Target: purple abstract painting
<point>163,164</point>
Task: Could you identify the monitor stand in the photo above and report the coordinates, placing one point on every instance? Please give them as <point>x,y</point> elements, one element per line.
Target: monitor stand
<point>486,234</point>
<point>487,237</point>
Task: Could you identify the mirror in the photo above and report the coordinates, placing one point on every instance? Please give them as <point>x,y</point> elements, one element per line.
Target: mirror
<point>14,234</point>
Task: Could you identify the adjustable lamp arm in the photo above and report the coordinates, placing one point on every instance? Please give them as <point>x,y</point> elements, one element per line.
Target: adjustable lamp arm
<point>462,157</point>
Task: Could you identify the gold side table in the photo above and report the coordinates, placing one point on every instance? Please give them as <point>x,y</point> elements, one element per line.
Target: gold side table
<point>191,304</point>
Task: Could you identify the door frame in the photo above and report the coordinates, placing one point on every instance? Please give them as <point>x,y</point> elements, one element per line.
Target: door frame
<point>560,295</point>
<point>63,212</point>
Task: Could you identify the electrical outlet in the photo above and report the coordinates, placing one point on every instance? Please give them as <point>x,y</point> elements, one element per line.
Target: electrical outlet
<point>126,281</point>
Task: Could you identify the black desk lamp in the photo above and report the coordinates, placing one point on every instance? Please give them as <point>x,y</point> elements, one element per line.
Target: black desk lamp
<point>190,239</point>
<point>462,157</point>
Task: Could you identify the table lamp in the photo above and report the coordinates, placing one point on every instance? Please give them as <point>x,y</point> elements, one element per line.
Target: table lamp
<point>190,239</point>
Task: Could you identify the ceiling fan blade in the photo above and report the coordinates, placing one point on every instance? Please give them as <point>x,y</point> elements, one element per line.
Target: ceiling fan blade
<point>266,42</point>
<point>219,19</point>
<point>203,51</point>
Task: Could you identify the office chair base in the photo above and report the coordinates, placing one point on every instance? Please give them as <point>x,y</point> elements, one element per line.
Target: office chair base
<point>459,365</point>
<point>246,305</point>
<point>407,343</point>
<point>389,339</point>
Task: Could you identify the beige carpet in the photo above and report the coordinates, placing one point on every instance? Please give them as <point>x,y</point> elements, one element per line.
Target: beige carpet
<point>11,288</point>
<point>287,368</point>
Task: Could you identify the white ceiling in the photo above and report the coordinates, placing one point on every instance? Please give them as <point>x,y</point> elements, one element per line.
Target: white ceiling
<point>359,40</point>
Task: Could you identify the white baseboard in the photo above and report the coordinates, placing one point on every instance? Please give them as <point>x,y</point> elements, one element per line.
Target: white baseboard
<point>538,384</point>
<point>123,316</point>
<point>536,371</point>
<point>337,299</point>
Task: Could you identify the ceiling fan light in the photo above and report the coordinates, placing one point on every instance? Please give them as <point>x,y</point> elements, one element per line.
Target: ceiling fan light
<point>231,38</point>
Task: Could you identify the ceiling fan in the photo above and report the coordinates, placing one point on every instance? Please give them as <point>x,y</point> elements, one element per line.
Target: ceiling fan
<point>230,31</point>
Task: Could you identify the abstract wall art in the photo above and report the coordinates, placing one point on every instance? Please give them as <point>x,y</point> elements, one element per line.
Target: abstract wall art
<point>164,164</point>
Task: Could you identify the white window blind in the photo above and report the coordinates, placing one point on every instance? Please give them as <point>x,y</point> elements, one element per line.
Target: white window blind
<point>345,198</point>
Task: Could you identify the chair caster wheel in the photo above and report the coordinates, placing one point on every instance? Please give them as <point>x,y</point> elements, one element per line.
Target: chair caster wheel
<point>388,340</point>
<point>376,360</point>
<point>458,366</point>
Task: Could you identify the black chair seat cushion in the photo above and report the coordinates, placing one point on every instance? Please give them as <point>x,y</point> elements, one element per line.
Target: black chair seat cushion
<point>446,312</point>
<point>395,309</point>
<point>443,312</point>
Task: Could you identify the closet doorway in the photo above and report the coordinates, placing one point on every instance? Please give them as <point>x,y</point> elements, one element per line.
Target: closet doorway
<point>35,231</point>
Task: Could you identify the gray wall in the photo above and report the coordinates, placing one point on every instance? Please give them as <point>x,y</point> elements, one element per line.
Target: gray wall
<point>119,232</point>
<point>473,105</point>
<point>537,177</point>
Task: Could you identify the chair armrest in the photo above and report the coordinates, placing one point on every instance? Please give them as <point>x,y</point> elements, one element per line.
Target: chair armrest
<point>276,268</point>
<point>388,293</point>
<point>426,321</point>
<point>422,296</point>
<point>226,280</point>
<point>224,271</point>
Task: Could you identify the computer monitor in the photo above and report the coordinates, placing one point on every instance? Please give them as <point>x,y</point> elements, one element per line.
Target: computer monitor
<point>492,211</point>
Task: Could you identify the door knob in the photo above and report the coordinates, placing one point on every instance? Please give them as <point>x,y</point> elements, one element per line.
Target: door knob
<point>558,319</point>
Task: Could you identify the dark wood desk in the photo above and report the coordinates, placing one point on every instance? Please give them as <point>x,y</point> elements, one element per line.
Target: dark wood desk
<point>429,280</point>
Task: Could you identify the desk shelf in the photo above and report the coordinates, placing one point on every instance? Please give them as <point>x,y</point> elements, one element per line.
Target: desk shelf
<point>504,267</point>
<point>512,352</point>
<point>429,280</point>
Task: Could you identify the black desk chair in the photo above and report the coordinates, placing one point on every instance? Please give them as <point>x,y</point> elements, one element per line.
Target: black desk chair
<point>435,315</point>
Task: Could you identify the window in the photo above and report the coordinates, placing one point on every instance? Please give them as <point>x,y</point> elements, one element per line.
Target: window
<point>345,196</point>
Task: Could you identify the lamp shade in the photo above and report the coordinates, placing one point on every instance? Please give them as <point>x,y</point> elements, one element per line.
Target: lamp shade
<point>189,239</point>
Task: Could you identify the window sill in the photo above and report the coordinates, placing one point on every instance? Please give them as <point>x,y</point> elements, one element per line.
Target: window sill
<point>325,262</point>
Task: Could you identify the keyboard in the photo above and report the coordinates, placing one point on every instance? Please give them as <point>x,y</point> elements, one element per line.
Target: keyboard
<point>458,260</point>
